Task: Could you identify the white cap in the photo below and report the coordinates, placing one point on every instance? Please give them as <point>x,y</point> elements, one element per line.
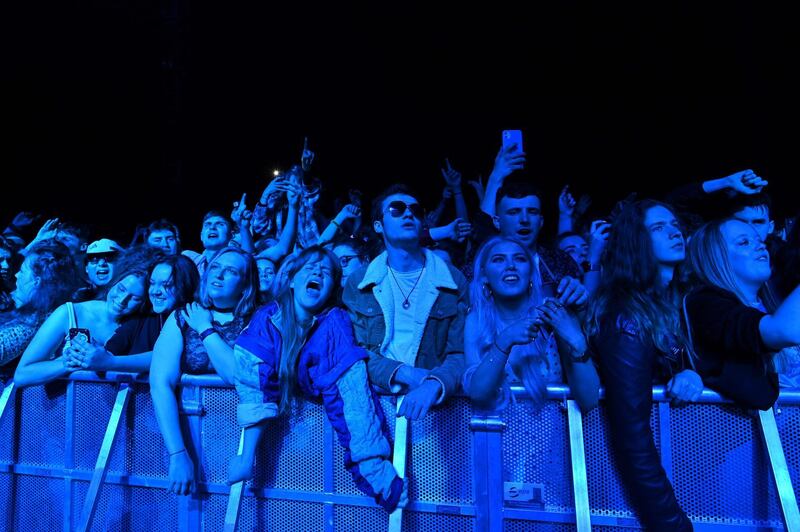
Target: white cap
<point>104,245</point>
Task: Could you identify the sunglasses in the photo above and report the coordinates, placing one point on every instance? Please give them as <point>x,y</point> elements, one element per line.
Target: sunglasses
<point>398,208</point>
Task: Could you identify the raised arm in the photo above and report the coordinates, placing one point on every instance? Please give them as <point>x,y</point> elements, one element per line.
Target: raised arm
<point>289,233</point>
<point>507,161</point>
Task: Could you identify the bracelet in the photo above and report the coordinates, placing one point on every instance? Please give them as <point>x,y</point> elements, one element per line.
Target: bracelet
<point>178,452</point>
<point>208,332</point>
<point>506,353</point>
<point>334,222</point>
<point>585,357</point>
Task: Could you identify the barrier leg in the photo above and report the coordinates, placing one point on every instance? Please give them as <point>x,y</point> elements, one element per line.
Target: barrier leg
<point>5,398</point>
<point>780,471</point>
<point>235,497</point>
<point>577,454</point>
<point>399,461</point>
<point>101,467</point>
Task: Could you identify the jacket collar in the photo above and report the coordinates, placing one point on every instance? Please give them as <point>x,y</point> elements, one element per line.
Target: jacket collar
<point>438,271</point>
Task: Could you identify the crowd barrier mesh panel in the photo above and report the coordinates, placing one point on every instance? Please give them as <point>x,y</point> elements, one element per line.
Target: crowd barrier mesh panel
<point>518,525</point>
<point>38,504</point>
<point>139,440</point>
<point>220,433</point>
<point>789,428</point>
<point>536,450</point>
<point>93,404</point>
<point>7,445</point>
<point>722,447</point>
<point>258,515</point>
<point>41,422</point>
<point>126,508</point>
<point>347,518</point>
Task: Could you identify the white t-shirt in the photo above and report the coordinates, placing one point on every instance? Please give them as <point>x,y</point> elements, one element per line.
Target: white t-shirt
<point>400,346</point>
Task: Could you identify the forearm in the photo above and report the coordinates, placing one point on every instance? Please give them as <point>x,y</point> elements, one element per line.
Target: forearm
<point>460,204</point>
<point>252,435</point>
<point>288,233</point>
<point>715,185</point>
<point>246,239</point>
<point>138,363</point>
<point>488,378</point>
<point>782,328</point>
<point>40,372</point>
<point>492,186</point>
<point>330,232</point>
<point>584,383</point>
<point>436,214</point>
<point>221,356</point>
<point>165,404</point>
<point>565,223</point>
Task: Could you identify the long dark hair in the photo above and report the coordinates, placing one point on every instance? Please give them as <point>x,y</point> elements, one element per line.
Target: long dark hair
<point>293,332</point>
<point>631,283</point>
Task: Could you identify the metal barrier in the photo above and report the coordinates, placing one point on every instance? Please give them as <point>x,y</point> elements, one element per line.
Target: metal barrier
<point>522,470</point>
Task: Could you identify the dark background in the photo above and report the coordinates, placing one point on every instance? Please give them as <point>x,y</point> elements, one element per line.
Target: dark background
<point>121,111</point>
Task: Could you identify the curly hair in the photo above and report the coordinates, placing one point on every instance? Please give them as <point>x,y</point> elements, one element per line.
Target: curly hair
<point>52,263</point>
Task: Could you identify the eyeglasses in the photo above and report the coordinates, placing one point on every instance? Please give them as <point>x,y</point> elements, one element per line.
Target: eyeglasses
<point>344,260</point>
<point>398,208</point>
<point>96,258</point>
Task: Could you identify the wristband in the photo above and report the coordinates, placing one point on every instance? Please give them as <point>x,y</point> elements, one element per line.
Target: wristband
<point>334,222</point>
<point>178,452</point>
<point>208,332</point>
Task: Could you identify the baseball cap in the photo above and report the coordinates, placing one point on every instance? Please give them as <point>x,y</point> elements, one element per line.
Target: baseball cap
<point>103,246</point>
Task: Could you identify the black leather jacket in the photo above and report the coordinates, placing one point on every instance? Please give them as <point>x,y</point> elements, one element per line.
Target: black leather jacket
<point>628,368</point>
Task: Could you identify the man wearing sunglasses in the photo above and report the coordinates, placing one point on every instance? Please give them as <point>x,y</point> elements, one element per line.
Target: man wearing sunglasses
<point>408,309</point>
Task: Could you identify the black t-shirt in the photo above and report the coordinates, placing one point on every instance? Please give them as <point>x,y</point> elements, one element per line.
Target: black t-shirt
<point>137,335</point>
<point>732,357</point>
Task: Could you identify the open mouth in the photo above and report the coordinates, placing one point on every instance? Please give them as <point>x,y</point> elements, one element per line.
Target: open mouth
<point>764,257</point>
<point>216,284</point>
<point>314,285</point>
<point>523,232</point>
<point>511,278</point>
<point>213,235</point>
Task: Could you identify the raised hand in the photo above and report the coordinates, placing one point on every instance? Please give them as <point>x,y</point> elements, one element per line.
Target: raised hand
<point>458,230</point>
<point>598,237</point>
<point>348,211</point>
<point>451,176</point>
<point>566,203</point>
<point>307,157</point>
<point>745,182</point>
<point>48,230</point>
<point>25,219</point>
<point>479,187</point>
<point>239,208</point>
<point>507,161</point>
<point>293,193</point>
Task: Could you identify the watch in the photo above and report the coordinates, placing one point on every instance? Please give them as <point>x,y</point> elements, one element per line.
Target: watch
<point>208,332</point>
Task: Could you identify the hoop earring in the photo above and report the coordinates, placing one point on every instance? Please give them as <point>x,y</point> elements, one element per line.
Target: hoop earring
<point>487,291</point>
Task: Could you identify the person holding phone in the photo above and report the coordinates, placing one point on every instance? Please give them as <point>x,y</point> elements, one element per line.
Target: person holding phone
<point>45,359</point>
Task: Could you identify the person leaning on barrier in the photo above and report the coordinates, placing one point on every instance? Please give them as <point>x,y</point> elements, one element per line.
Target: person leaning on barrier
<point>514,334</point>
<point>635,324</point>
<point>46,279</point>
<point>199,338</point>
<point>302,344</point>
<point>408,308</point>
<point>45,359</point>
<point>740,336</point>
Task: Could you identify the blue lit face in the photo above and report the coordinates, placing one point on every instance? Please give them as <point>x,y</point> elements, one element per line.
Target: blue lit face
<point>669,247</point>
<point>520,218</point>
<point>576,247</point>
<point>404,228</point>
<point>312,285</point>
<point>163,239</point>
<point>215,233</point>
<point>747,253</point>
<point>758,217</point>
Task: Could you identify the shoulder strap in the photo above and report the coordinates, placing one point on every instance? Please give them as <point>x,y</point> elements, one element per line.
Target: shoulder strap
<point>73,320</point>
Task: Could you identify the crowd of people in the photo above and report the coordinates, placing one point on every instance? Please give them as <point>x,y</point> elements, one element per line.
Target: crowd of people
<point>698,290</point>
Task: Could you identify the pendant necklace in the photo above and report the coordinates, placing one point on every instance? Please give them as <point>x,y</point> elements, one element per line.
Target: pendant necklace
<point>406,302</point>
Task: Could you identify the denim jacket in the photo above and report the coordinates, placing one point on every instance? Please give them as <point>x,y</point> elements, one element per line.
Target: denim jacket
<point>441,348</point>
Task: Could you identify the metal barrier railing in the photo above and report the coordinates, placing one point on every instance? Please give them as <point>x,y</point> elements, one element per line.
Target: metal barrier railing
<point>94,444</point>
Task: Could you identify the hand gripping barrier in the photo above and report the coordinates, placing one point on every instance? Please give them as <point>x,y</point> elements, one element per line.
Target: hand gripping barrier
<point>86,454</point>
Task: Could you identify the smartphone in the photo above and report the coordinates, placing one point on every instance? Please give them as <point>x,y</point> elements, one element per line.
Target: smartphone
<point>76,332</point>
<point>512,136</point>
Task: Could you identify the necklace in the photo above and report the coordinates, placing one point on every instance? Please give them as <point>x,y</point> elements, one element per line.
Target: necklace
<point>406,303</point>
